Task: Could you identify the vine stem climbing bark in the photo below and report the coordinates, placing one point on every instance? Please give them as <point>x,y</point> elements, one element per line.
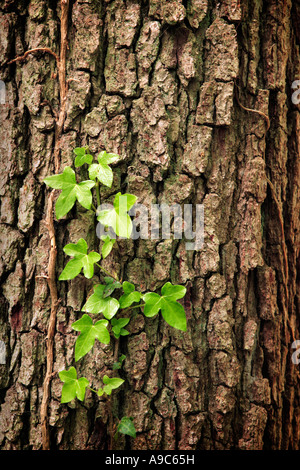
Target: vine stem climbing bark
<point>61,64</point>
<point>51,277</point>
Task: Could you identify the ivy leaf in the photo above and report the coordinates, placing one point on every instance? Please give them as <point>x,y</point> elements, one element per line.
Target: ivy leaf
<point>71,191</point>
<point>126,426</point>
<point>118,217</point>
<point>118,365</point>
<point>89,332</point>
<point>152,301</point>
<point>74,249</point>
<point>124,202</point>
<point>111,285</point>
<point>128,299</point>
<point>108,158</point>
<point>171,292</point>
<point>102,170</point>
<point>118,327</point>
<point>110,385</point>
<point>130,295</point>
<point>82,260</point>
<point>174,314</point>
<point>107,245</point>
<point>82,157</point>
<point>172,311</point>
<point>128,287</point>
<point>72,387</point>
<point>79,151</point>
<point>72,269</point>
<point>96,303</point>
<point>61,180</point>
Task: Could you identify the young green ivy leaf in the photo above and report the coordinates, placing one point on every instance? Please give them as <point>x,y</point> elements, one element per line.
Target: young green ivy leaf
<point>126,426</point>
<point>118,365</point>
<point>102,170</point>
<point>118,326</point>
<point>130,295</point>
<point>172,311</point>
<point>107,245</point>
<point>82,156</point>
<point>118,217</point>
<point>89,332</point>
<point>72,387</point>
<point>110,385</point>
<point>111,285</point>
<point>96,303</point>
<point>81,260</point>
<point>71,191</point>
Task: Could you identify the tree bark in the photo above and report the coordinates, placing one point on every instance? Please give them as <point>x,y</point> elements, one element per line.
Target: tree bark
<point>195,96</point>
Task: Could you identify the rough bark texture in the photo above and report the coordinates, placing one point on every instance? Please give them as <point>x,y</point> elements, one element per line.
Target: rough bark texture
<point>156,84</point>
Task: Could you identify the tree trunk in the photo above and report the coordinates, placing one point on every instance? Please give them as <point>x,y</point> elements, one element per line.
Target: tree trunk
<point>169,86</point>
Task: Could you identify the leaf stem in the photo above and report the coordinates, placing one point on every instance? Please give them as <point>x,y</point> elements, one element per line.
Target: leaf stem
<point>98,193</point>
<point>135,306</point>
<point>108,273</point>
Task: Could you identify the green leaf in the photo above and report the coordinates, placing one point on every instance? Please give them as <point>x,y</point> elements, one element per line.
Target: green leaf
<point>109,288</point>
<point>172,311</point>
<point>82,159</point>
<point>118,217</point>
<point>71,191</point>
<point>121,322</point>
<point>80,151</point>
<point>82,156</point>
<point>96,303</point>
<point>128,299</point>
<point>107,245</point>
<point>74,249</point>
<point>108,158</point>
<point>111,285</point>
<point>128,287</point>
<point>102,170</point>
<point>118,326</point>
<point>171,292</point>
<point>126,426</point>
<point>152,301</point>
<point>118,365</point>
<point>124,332</point>
<point>174,314</point>
<point>72,269</point>
<point>61,180</point>
<point>65,201</point>
<point>83,193</point>
<point>110,385</point>
<point>89,332</point>
<point>88,262</point>
<point>72,387</point>
<point>82,260</point>
<point>114,382</point>
<point>124,202</point>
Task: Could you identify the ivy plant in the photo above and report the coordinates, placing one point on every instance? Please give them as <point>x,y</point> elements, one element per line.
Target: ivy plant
<point>110,300</point>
